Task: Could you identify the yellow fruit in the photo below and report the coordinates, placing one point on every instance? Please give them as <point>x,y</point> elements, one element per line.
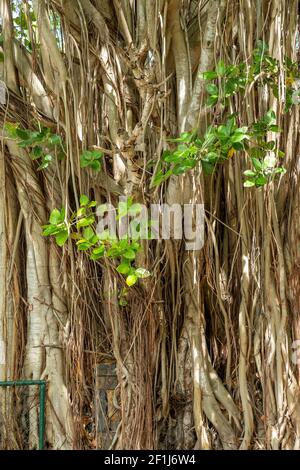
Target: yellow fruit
<point>231,152</point>
<point>290,80</point>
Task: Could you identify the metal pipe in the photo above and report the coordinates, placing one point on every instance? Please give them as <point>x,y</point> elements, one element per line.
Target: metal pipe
<point>42,415</point>
<point>19,383</point>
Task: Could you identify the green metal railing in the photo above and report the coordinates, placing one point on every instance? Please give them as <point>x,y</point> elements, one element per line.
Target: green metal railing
<point>42,399</point>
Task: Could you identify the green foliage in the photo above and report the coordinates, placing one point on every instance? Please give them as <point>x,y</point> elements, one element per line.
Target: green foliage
<point>128,208</point>
<point>263,169</point>
<point>24,19</point>
<point>231,79</point>
<point>91,159</point>
<point>43,144</point>
<point>81,227</point>
<point>21,19</point>
<point>221,142</point>
<point>264,69</point>
<point>264,154</point>
<point>217,145</point>
<point>57,226</point>
<point>123,297</point>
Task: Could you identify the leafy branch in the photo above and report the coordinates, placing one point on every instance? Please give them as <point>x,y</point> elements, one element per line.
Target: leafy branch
<point>228,80</point>
<point>82,227</point>
<point>43,143</point>
<point>220,143</point>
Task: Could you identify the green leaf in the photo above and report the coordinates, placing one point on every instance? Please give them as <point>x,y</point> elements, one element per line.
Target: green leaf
<point>212,89</point>
<point>180,169</point>
<point>96,166</point>
<point>241,130</point>
<point>97,155</point>
<point>87,155</point>
<point>114,252</point>
<point>84,163</point>
<point>280,170</point>
<point>270,145</point>
<point>83,245</point>
<point>212,100</point>
<point>249,184</point>
<point>270,117</point>
<point>55,217</point>
<point>223,131</point>
<point>208,168</point>
<point>184,137</point>
<point>142,273</point>
<point>160,177</point>
<point>261,180</point>
<point>211,157</point>
<point>135,246</point>
<point>167,156</point>
<point>43,165</point>
<point>11,129</point>
<point>50,230</point>
<point>238,145</point>
<point>55,140</point>
<point>62,237</point>
<point>84,200</point>
<point>88,233</point>
<point>230,87</point>
<point>81,211</point>
<point>239,137</point>
<point>85,222</point>
<point>36,152</point>
<point>209,75</point>
<point>123,268</point>
<point>98,253</point>
<point>129,254</point>
<point>230,124</point>
<point>256,152</point>
<point>221,68</point>
<point>249,173</point>
<point>22,134</point>
<point>91,159</point>
<point>275,129</point>
<point>131,280</point>
<point>256,163</point>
